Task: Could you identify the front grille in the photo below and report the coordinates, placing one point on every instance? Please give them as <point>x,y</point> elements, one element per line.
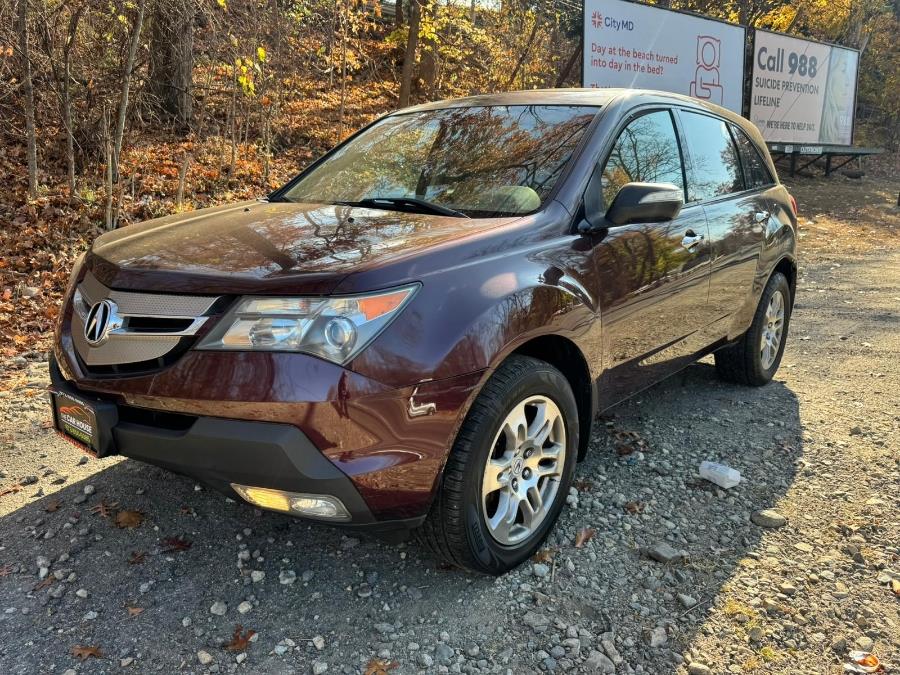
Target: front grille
<point>140,332</point>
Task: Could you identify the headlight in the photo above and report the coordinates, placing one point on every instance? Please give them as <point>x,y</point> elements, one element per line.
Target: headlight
<point>335,328</point>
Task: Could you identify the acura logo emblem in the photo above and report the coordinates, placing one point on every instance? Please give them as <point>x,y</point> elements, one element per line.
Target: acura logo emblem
<point>101,319</point>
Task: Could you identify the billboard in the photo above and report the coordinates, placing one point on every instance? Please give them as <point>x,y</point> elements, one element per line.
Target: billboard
<point>803,91</point>
<point>632,45</point>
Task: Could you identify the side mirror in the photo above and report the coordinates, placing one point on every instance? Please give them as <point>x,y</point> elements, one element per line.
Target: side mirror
<point>645,203</point>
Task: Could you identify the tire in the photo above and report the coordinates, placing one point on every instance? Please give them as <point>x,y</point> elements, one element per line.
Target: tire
<point>458,529</point>
<point>745,361</point>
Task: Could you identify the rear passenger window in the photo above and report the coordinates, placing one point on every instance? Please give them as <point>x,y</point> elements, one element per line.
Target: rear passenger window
<point>756,173</point>
<point>646,151</point>
<point>715,163</point>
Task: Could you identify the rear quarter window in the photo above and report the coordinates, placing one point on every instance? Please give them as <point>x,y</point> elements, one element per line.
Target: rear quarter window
<point>715,162</point>
<point>756,173</point>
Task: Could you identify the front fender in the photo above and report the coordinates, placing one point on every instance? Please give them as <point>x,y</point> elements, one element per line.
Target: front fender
<point>470,318</point>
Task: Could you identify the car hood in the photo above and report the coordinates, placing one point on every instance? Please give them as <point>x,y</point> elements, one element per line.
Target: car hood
<point>273,247</point>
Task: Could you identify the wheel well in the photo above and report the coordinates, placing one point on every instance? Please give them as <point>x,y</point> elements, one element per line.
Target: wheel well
<point>564,355</point>
<point>789,269</point>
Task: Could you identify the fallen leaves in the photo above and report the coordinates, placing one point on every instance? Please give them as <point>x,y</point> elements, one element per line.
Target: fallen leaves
<point>46,582</point>
<point>6,570</point>
<point>129,519</point>
<point>583,484</point>
<point>240,642</point>
<point>11,490</point>
<point>175,544</point>
<point>104,509</point>
<point>137,558</point>
<point>53,506</point>
<point>380,667</point>
<point>134,611</point>
<point>634,507</point>
<point>81,652</point>
<point>583,536</point>
<point>628,442</point>
<point>545,555</point>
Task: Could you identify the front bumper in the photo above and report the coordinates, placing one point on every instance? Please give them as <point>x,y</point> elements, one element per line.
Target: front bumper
<point>220,452</point>
<point>284,421</point>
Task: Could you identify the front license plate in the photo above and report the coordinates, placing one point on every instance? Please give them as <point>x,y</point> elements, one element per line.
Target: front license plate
<point>76,419</point>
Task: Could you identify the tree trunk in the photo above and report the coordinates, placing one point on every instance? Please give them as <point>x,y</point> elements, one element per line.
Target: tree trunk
<point>172,59</point>
<point>429,63</point>
<point>126,86</point>
<point>344,18</point>
<point>28,88</point>
<point>409,59</point>
<point>567,69</point>
<point>398,13</point>
<point>524,54</point>
<point>67,98</point>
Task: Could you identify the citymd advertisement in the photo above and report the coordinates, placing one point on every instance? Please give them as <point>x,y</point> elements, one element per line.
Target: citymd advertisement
<point>631,45</point>
<point>803,91</point>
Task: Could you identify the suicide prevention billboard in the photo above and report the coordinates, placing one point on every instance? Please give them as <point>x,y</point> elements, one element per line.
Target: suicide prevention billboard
<point>803,91</point>
<point>640,46</point>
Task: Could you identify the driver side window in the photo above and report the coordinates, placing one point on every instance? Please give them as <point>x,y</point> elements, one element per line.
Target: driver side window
<point>646,151</point>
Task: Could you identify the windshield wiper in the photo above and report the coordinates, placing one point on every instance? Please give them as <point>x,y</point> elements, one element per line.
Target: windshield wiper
<point>411,203</point>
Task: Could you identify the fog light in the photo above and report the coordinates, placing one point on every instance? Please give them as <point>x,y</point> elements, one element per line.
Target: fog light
<point>320,506</point>
<point>264,497</point>
<point>325,507</point>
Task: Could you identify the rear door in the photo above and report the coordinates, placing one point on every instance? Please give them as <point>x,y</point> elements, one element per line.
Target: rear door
<point>735,210</point>
<point>652,278</point>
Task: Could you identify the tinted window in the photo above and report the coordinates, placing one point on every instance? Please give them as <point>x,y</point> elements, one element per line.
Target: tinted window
<point>716,167</point>
<point>484,160</point>
<point>646,151</point>
<point>756,173</point>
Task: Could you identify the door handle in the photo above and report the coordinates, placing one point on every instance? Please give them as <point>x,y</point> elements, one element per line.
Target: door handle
<point>691,240</point>
<point>761,216</point>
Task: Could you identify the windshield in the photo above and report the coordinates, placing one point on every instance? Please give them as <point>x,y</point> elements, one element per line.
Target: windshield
<point>479,161</point>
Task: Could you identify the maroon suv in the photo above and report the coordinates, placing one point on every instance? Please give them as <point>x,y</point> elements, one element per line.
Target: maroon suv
<point>418,330</point>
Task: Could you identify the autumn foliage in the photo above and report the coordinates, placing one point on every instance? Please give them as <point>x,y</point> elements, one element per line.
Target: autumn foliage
<point>140,108</point>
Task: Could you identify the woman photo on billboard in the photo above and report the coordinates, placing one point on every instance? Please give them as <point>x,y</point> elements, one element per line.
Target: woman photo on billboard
<point>837,113</point>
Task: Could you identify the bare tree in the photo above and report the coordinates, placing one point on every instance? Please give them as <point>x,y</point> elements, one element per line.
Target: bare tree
<point>28,87</point>
<point>126,87</point>
<point>409,58</point>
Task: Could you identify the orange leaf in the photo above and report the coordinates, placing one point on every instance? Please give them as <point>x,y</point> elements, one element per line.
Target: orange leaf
<point>240,642</point>
<point>134,611</point>
<point>380,667</point>
<point>129,519</point>
<point>53,506</point>
<point>12,489</point>
<point>634,507</point>
<point>585,534</point>
<point>82,653</point>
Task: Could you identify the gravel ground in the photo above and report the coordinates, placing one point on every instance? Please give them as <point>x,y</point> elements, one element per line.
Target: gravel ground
<point>669,574</point>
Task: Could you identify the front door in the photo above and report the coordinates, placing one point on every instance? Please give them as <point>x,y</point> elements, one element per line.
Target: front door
<point>652,278</point>
<point>733,195</point>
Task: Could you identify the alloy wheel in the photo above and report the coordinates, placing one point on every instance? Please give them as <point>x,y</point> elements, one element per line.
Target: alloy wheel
<point>523,471</point>
<point>770,339</point>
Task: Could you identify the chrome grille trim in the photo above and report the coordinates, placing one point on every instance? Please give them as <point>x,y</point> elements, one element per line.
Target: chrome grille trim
<point>158,305</point>
<point>124,345</point>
